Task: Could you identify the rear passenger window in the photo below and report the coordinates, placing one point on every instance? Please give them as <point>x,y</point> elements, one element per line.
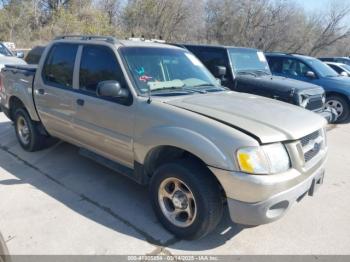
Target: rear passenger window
<point>59,66</point>
<point>98,63</point>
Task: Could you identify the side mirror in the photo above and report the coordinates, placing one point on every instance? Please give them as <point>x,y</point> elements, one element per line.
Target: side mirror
<point>344,74</point>
<point>111,89</point>
<point>310,74</point>
<point>219,71</point>
<point>20,54</point>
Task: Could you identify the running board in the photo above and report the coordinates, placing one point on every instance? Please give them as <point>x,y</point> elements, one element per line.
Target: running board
<point>107,162</point>
<point>137,174</point>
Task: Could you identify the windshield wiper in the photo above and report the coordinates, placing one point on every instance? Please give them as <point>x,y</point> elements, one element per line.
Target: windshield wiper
<point>167,88</point>
<point>195,90</point>
<point>247,73</point>
<point>262,71</point>
<point>211,88</point>
<point>178,88</point>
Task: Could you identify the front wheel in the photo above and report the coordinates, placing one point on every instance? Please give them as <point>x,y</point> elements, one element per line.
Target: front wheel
<point>186,199</point>
<point>341,105</point>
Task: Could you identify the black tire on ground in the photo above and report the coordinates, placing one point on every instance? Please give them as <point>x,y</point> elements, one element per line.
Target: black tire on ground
<point>332,101</point>
<point>205,189</point>
<point>36,140</point>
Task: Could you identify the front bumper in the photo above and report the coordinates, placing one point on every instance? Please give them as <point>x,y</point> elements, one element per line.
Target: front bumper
<point>260,199</point>
<point>329,114</point>
<point>274,208</point>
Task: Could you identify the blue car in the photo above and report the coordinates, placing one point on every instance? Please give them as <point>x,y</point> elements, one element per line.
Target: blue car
<point>312,70</point>
<point>342,60</point>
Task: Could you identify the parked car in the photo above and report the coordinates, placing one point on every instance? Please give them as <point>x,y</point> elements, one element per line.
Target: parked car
<point>312,70</point>
<point>246,70</point>
<point>34,55</point>
<point>341,69</point>
<point>154,113</point>
<point>342,60</point>
<point>7,57</point>
<point>10,45</point>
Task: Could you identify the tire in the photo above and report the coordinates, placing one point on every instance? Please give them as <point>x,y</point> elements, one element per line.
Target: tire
<point>27,132</point>
<point>341,105</point>
<point>206,206</point>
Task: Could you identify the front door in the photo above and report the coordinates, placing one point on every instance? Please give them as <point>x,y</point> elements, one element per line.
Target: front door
<point>297,69</point>
<point>101,124</point>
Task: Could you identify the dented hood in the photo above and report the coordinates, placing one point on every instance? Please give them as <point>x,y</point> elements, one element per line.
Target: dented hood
<point>266,119</point>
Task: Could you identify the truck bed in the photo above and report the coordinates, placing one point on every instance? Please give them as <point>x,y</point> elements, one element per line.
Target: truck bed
<point>29,68</point>
<point>18,82</point>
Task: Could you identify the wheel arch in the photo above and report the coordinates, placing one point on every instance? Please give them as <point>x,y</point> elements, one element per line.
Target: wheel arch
<point>183,139</point>
<point>15,102</point>
<point>164,154</point>
<point>334,93</point>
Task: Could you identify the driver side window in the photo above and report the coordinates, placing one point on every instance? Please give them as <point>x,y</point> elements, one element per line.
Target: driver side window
<point>295,67</point>
<point>98,63</point>
<point>304,69</point>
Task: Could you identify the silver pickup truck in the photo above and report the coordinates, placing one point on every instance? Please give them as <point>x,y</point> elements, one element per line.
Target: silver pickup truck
<point>153,112</point>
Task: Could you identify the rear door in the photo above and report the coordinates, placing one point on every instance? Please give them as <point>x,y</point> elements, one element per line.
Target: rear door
<point>102,125</point>
<point>53,88</point>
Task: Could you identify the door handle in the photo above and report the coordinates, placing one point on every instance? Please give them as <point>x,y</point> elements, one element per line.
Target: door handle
<point>80,102</point>
<point>41,91</point>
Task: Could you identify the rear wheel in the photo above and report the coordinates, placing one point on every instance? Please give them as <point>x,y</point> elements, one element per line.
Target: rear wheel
<point>27,132</point>
<point>186,199</point>
<point>341,105</point>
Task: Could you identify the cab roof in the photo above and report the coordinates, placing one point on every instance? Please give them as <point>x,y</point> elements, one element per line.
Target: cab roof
<point>83,39</point>
<point>218,46</point>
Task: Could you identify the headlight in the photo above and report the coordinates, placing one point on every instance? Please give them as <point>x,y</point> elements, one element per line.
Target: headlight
<point>303,100</point>
<point>269,159</point>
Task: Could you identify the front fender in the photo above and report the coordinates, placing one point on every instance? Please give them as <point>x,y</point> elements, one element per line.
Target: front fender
<point>336,88</point>
<point>185,139</point>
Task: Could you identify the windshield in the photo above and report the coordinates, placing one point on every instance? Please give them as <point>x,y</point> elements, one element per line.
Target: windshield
<point>167,69</point>
<point>4,51</point>
<point>249,60</point>
<point>321,68</point>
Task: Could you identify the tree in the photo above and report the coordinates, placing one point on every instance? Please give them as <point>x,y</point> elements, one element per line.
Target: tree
<point>167,19</point>
<point>112,9</point>
<point>269,25</point>
<point>331,28</point>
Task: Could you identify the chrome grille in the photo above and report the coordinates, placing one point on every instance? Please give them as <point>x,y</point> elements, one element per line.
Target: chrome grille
<point>315,103</point>
<point>312,145</point>
<point>306,139</point>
